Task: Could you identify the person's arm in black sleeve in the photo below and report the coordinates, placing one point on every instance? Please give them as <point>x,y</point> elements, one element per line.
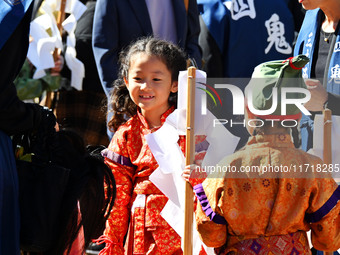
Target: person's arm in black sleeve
<point>333,103</point>
<point>16,116</point>
<point>105,42</point>
<point>212,56</point>
<point>191,46</point>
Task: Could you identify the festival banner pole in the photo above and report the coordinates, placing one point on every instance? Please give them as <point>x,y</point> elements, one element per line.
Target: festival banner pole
<point>61,16</point>
<point>327,136</point>
<point>327,143</point>
<point>60,19</point>
<point>189,160</point>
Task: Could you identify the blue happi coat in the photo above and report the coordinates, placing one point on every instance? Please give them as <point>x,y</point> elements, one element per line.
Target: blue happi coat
<point>238,35</point>
<point>306,43</point>
<point>12,14</point>
<point>247,33</point>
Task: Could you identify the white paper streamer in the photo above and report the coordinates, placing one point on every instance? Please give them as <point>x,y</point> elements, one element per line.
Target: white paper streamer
<point>41,48</point>
<point>318,141</point>
<point>163,144</point>
<point>75,65</point>
<point>40,51</point>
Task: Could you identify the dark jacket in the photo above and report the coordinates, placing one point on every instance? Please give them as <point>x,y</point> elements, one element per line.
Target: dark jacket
<point>306,44</point>
<point>118,23</point>
<point>15,115</point>
<point>236,36</point>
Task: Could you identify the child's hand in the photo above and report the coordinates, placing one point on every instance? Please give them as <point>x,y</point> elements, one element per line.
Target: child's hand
<point>193,174</point>
<point>58,66</point>
<point>187,171</point>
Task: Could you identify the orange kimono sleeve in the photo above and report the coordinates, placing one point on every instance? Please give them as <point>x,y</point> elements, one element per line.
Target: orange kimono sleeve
<point>211,226</point>
<point>117,223</point>
<point>324,216</point>
<point>117,158</point>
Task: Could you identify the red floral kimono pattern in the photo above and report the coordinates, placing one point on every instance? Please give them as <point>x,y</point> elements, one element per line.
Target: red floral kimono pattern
<point>269,216</point>
<point>132,162</point>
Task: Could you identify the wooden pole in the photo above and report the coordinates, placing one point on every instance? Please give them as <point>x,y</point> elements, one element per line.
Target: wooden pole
<point>189,159</point>
<point>327,136</point>
<point>60,18</point>
<point>61,15</point>
<point>327,143</point>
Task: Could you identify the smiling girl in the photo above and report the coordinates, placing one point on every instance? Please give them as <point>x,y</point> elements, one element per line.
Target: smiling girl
<point>146,92</point>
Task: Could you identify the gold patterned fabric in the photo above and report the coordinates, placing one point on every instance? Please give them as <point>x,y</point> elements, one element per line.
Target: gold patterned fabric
<point>260,210</point>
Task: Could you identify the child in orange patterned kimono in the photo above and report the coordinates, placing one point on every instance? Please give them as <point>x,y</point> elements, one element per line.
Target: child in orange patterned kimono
<point>146,92</point>
<point>262,213</point>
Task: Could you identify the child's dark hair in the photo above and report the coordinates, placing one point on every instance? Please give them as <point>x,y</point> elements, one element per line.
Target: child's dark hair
<point>172,56</point>
<point>85,183</point>
<point>91,184</point>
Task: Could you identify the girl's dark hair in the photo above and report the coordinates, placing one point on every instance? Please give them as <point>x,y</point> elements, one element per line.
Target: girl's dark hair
<point>173,57</point>
<point>91,184</point>
<point>82,178</point>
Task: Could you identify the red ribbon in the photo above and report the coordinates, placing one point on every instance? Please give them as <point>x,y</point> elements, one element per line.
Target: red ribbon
<point>291,63</point>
